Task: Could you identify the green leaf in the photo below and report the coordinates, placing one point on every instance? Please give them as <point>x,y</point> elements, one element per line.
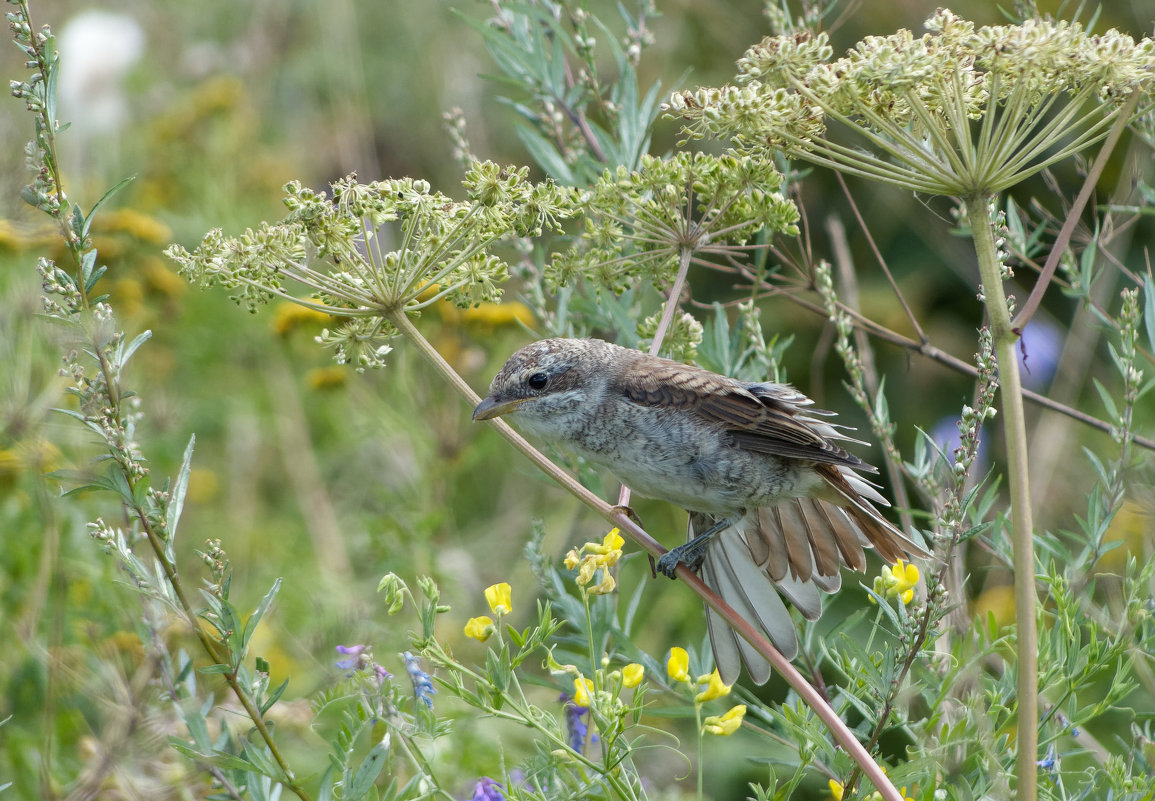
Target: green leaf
<point>96,206</point>
<point>1149,310</point>
<point>255,617</point>
<point>542,151</point>
<point>367,773</point>
<point>276,696</point>
<point>1108,401</point>
<point>179,490</point>
<point>127,350</point>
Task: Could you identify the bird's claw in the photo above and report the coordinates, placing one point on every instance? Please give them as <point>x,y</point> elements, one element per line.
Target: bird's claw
<point>628,512</point>
<point>691,554</point>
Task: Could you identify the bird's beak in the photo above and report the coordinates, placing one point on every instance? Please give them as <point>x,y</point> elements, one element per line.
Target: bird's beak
<point>489,408</point>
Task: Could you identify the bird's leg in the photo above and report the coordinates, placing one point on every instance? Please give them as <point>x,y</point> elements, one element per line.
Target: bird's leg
<point>692,553</point>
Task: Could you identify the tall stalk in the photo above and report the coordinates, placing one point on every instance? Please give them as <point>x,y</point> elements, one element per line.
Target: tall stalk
<point>1006,342</point>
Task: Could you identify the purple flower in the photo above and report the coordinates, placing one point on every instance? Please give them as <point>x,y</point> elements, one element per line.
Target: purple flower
<point>1050,760</point>
<point>360,658</point>
<point>423,688</point>
<point>487,789</point>
<point>576,726</point>
<point>354,653</point>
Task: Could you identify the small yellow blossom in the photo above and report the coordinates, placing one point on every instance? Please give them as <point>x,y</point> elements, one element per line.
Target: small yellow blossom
<point>611,547</point>
<point>678,665</point>
<point>479,628</point>
<point>837,790</point>
<point>714,687</point>
<point>899,579</point>
<point>605,586</point>
<point>632,674</point>
<point>725,725</point>
<point>595,556</point>
<point>500,597</point>
<point>582,688</point>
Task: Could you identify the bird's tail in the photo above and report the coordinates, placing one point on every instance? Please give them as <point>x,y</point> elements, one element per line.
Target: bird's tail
<point>794,550</point>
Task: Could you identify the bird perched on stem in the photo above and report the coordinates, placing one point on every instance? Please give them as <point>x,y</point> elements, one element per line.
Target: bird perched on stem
<point>774,499</point>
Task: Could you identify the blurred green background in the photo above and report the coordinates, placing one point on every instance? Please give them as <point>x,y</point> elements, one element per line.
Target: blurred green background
<point>330,478</point>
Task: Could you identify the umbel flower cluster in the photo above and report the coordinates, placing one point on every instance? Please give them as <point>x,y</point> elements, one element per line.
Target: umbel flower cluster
<point>959,111</point>
<point>341,250</point>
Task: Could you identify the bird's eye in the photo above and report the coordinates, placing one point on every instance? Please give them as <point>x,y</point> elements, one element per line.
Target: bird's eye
<point>538,381</point>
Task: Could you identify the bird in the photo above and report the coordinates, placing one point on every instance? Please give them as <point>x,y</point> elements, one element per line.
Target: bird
<point>777,505</point>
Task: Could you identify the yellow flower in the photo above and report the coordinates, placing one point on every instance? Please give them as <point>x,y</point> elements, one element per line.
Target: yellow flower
<point>725,725</point>
<point>905,580</point>
<point>610,548</point>
<point>605,586</point>
<point>632,674</point>
<point>714,687</point>
<point>678,665</point>
<point>582,687</point>
<point>479,628</point>
<point>595,556</point>
<point>836,790</point>
<point>899,579</point>
<point>500,598</point>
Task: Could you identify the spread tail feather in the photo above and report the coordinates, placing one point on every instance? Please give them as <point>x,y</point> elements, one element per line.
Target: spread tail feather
<point>793,550</point>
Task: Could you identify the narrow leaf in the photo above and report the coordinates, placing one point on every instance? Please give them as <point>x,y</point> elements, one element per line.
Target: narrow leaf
<point>179,490</point>
<point>255,617</point>
<point>95,206</point>
<point>367,773</point>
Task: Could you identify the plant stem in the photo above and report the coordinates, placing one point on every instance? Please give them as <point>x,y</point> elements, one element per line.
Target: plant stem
<point>1022,528</point>
<point>619,518</point>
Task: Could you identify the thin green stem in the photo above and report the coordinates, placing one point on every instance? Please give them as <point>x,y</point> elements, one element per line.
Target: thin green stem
<point>1022,527</point>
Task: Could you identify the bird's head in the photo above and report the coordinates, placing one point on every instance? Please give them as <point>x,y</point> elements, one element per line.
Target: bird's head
<point>550,379</point>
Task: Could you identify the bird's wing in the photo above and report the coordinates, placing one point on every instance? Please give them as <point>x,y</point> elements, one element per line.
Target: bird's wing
<point>767,418</point>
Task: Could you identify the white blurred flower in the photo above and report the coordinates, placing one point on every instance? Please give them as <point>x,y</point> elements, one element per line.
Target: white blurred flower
<point>97,49</point>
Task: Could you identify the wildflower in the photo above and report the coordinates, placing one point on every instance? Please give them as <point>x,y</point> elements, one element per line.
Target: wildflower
<point>678,665</point>
<point>479,628</point>
<point>500,598</point>
<point>899,580</point>
<point>907,96</point>
<point>353,652</point>
<point>582,687</point>
<point>595,556</point>
<point>487,789</point>
<point>1050,761</point>
<point>715,688</point>
<point>837,790</point>
<point>632,675</point>
<point>576,724</point>
<point>727,724</point>
<point>359,657</point>
<point>423,688</point>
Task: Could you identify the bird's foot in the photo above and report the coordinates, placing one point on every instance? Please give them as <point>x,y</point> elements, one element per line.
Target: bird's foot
<point>628,512</point>
<point>692,553</point>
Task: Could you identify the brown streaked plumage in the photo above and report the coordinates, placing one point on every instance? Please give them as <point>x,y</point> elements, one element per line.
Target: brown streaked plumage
<point>756,467</point>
